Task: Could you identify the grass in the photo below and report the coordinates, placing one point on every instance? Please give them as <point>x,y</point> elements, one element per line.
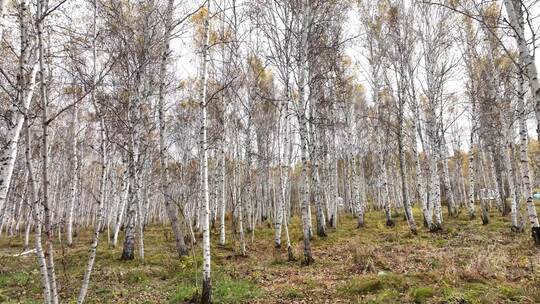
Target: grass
<point>465,263</point>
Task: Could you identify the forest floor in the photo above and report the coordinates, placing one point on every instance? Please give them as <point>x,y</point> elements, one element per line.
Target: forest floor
<point>465,263</point>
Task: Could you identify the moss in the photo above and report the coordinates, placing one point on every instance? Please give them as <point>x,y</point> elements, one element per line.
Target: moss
<point>292,293</point>
<point>310,283</point>
<point>434,264</point>
<point>395,281</point>
<point>362,286</point>
<point>386,296</point>
<point>3,280</point>
<point>421,294</point>
<point>512,293</point>
<point>19,278</point>
<point>441,243</point>
<point>473,293</point>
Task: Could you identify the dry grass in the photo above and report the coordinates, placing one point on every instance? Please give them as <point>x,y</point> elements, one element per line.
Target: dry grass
<point>465,263</point>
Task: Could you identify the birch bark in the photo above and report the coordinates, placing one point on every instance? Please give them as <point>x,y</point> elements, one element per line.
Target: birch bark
<point>37,216</point>
<point>103,163</point>
<point>49,251</point>
<point>181,248</point>
<point>302,121</point>
<point>207,284</point>
<point>74,174</point>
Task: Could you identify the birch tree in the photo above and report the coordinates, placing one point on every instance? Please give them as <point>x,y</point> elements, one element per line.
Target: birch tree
<point>207,284</point>
<point>163,160</point>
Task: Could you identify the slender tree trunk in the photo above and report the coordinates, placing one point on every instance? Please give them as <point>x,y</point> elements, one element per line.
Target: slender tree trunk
<point>141,217</point>
<point>49,250</point>
<point>74,174</point>
<point>282,133</point>
<point>472,178</point>
<point>434,159</point>
<point>206,284</point>
<point>315,181</point>
<point>421,183</point>
<point>404,186</point>
<point>358,198</point>
<point>133,187</point>
<point>507,146</point>
<point>483,204</point>
<point>385,196</point>
<point>524,160</point>
<point>181,248</point>
<point>122,202</point>
<point>37,216</point>
<point>302,121</point>
<point>103,172</point>
<point>285,181</point>
<point>223,198</point>
<point>452,209</point>
<point>321,220</point>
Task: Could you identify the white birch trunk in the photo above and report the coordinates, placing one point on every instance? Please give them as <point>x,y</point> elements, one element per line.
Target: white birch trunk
<point>181,248</point>
<point>383,181</point>
<point>122,202</point>
<point>223,198</point>
<point>402,169</point>
<point>133,189</point>
<point>434,155</point>
<point>103,172</point>
<point>47,297</point>
<point>207,284</point>
<point>507,145</point>
<point>302,121</point>
<point>472,178</point>
<point>74,174</point>
<point>49,252</point>
<point>452,209</point>
<point>282,148</point>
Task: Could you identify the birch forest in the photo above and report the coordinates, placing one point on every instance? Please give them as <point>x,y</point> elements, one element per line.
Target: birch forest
<point>269,151</point>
